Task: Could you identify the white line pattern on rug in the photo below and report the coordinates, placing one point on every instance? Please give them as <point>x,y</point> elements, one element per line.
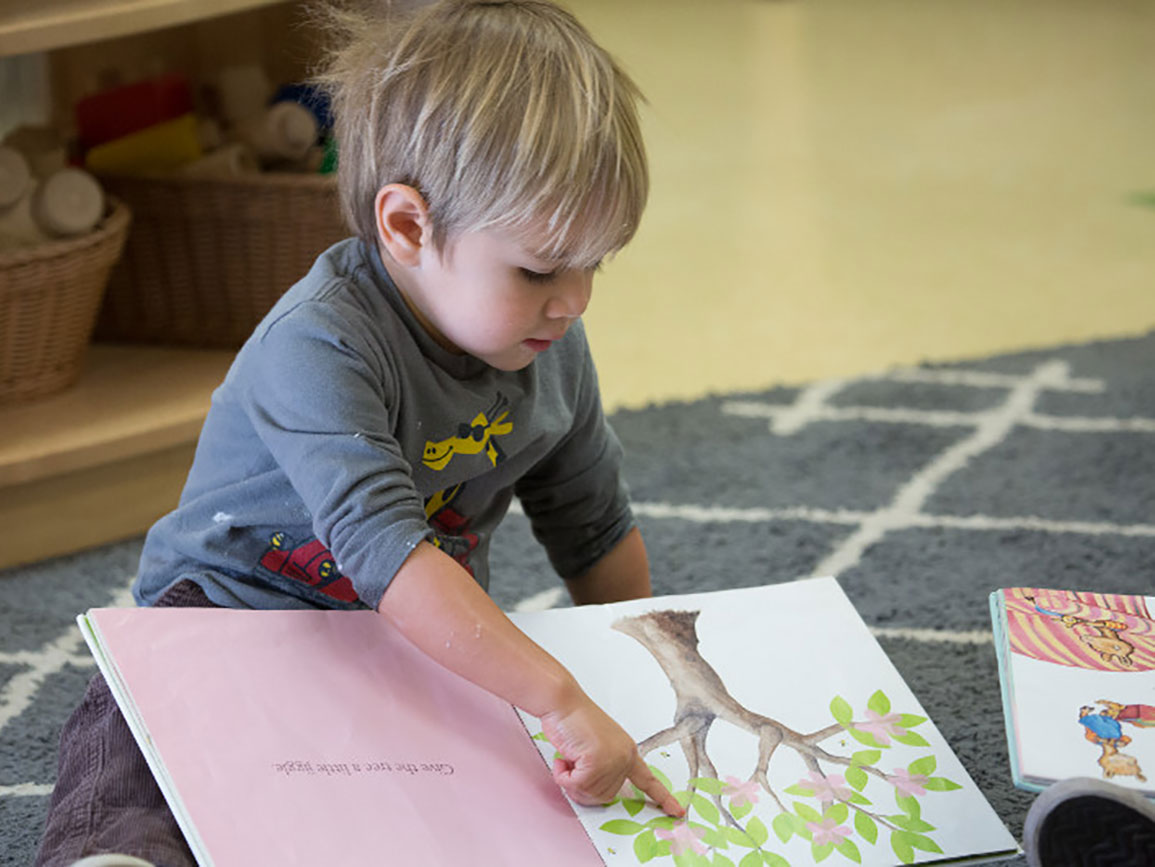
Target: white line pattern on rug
<point>905,511</point>
<point>26,790</point>
<point>847,517</point>
<point>992,428</point>
<point>977,379</point>
<point>786,419</point>
<point>934,636</point>
<point>65,650</point>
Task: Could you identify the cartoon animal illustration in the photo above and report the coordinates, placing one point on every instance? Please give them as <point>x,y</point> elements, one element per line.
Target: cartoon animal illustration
<point>1117,764</point>
<point>1107,642</point>
<point>1070,629</point>
<point>474,438</point>
<point>1106,731</point>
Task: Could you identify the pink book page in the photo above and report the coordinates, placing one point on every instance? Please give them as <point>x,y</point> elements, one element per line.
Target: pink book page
<point>306,738</point>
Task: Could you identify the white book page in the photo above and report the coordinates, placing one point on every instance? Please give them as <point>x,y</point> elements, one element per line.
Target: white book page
<point>791,661</point>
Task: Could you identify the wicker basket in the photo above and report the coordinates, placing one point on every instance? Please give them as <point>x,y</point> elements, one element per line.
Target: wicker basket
<point>49,298</point>
<point>208,257</point>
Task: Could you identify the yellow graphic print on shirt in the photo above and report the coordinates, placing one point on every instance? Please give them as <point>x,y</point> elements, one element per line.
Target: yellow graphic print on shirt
<point>452,528</point>
<point>473,438</point>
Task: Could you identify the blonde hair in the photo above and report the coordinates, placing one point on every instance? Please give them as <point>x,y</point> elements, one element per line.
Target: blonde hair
<point>502,115</point>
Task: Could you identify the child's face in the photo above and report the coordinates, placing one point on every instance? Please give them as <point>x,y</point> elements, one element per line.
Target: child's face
<point>485,295</point>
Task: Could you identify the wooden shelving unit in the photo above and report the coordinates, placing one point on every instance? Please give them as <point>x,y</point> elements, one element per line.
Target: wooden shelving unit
<point>104,459</point>
<point>44,25</point>
<point>109,456</point>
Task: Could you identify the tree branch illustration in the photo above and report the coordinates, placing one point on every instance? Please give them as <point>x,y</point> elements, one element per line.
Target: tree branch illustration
<point>702,698</point>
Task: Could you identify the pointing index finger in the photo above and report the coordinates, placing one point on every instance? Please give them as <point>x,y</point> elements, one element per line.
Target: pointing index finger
<point>644,779</point>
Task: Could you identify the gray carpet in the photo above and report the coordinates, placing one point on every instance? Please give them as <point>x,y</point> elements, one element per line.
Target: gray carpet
<point>921,490</point>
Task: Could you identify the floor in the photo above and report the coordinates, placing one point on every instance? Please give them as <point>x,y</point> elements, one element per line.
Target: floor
<point>841,186</point>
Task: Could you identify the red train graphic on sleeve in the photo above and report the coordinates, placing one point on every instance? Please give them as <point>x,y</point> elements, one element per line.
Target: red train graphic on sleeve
<point>310,563</point>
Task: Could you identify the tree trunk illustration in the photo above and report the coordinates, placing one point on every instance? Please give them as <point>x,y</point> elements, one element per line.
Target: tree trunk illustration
<point>702,698</point>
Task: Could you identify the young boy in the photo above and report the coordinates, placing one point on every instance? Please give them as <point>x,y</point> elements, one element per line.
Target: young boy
<point>371,433</point>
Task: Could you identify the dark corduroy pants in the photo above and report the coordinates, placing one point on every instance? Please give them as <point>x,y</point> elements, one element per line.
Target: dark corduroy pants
<point>106,799</point>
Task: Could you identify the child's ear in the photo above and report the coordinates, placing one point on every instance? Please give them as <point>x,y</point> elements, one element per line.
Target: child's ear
<point>402,222</point>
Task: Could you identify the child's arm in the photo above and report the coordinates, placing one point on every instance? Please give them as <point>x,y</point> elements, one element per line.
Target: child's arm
<point>441,609</point>
<point>623,573</point>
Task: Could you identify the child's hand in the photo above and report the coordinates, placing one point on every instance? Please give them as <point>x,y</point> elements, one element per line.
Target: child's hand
<point>599,757</point>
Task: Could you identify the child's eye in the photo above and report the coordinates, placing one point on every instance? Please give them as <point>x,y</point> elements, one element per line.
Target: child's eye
<point>537,276</point>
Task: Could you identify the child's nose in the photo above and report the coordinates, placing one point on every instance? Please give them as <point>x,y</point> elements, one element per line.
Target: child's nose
<point>572,295</point>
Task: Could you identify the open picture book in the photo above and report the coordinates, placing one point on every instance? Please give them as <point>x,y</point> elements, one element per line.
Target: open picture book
<point>324,737</point>
<point>1078,683</point>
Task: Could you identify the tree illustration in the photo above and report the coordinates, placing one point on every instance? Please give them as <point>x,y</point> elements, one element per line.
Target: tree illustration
<point>831,808</point>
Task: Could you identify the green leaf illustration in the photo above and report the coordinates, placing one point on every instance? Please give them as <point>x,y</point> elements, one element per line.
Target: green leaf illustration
<point>856,777</point>
<point>841,710</point>
<point>633,805</point>
<point>806,812</point>
<point>644,846</point>
<point>773,859</point>
<point>757,831</point>
<point>909,824</point>
<point>940,784</point>
<point>908,805</point>
<point>709,785</point>
<point>838,812</point>
<point>879,703</point>
<point>739,812</point>
<point>752,859</point>
<point>821,853</point>
<point>910,720</point>
<point>919,841</point>
<point>739,838</point>
<point>865,738</point>
<point>856,798</point>
<point>866,827</point>
<point>912,739</point>
<point>716,838</point>
<point>623,827</point>
<point>901,847</point>
<point>796,789</point>
<point>799,826</point>
<point>924,766</point>
<point>721,860</point>
<point>682,798</point>
<point>865,757</point>
<point>540,736</point>
<point>705,809</point>
<point>848,850</point>
<point>782,827</point>
<point>665,822</point>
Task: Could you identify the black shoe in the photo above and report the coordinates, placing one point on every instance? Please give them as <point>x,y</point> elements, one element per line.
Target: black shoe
<point>1083,822</point>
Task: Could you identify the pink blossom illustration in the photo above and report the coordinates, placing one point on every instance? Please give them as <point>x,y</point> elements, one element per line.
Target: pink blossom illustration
<point>828,831</point>
<point>908,783</point>
<point>683,838</point>
<point>742,792</point>
<point>827,789</point>
<point>882,727</point>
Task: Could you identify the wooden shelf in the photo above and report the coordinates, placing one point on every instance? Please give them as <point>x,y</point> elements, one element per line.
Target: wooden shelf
<point>106,458</point>
<point>43,25</point>
<point>128,401</point>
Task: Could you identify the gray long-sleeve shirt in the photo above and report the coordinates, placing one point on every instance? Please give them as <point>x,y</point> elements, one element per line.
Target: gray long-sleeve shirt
<point>344,435</point>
